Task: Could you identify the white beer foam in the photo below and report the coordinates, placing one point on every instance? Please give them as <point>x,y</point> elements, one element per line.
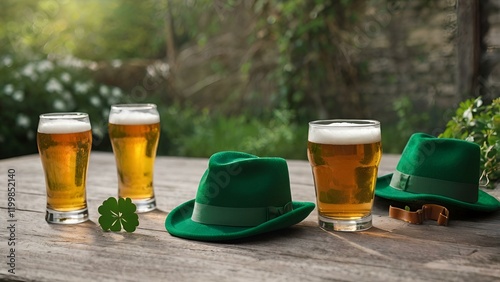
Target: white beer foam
<point>63,126</point>
<point>343,134</point>
<point>126,117</point>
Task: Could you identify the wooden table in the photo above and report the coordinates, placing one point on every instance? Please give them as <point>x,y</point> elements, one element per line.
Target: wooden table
<point>466,250</point>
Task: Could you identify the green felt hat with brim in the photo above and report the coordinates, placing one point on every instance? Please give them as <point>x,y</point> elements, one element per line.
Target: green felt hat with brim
<point>438,170</point>
<point>239,195</point>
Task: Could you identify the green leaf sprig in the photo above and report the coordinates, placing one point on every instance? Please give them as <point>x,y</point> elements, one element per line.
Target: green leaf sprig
<point>115,214</point>
<point>479,123</point>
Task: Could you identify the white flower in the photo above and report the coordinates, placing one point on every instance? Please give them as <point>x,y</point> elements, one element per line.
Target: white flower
<point>72,62</point>
<point>45,65</point>
<point>151,70</point>
<point>59,105</point>
<point>94,100</point>
<point>7,61</point>
<point>8,89</point>
<point>82,87</point>
<point>164,67</point>
<point>93,66</point>
<point>66,77</point>
<point>23,121</point>
<point>53,85</point>
<point>104,90</point>
<point>29,71</point>
<point>479,103</point>
<point>18,96</point>
<point>116,63</point>
<point>116,92</point>
<point>467,114</point>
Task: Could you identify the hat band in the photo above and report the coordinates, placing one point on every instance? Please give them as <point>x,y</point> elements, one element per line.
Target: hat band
<point>465,192</point>
<point>230,216</point>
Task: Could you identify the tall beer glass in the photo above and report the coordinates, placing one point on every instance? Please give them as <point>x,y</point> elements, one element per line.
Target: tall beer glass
<point>64,142</point>
<point>344,156</point>
<point>134,130</point>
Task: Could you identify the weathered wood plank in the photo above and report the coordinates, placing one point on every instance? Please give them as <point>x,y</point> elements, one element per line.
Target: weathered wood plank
<point>468,47</point>
<point>467,250</point>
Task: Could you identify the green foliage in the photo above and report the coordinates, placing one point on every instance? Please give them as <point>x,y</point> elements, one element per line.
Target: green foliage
<point>408,122</point>
<point>395,135</point>
<point>15,25</point>
<point>479,123</point>
<point>115,214</point>
<point>392,142</point>
<point>188,132</point>
<point>30,88</point>
<point>314,67</point>
<point>309,48</point>
<point>96,29</point>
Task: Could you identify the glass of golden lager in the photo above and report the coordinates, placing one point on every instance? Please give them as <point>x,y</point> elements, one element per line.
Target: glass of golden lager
<point>64,142</point>
<point>344,156</point>
<point>134,131</point>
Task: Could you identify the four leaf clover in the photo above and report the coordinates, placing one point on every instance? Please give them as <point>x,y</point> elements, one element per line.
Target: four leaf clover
<point>115,214</point>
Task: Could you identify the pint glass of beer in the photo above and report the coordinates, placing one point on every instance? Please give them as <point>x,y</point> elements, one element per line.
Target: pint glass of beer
<point>344,156</point>
<point>134,131</point>
<point>64,141</point>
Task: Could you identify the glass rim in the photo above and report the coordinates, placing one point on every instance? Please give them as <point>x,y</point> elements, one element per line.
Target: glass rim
<point>65,115</point>
<point>353,123</point>
<point>134,106</point>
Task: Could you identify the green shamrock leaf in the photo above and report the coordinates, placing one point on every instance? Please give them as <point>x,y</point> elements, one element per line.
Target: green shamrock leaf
<point>115,214</point>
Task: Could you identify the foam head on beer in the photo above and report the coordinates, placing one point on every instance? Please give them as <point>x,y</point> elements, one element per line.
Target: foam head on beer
<point>62,126</point>
<point>130,117</point>
<point>343,133</point>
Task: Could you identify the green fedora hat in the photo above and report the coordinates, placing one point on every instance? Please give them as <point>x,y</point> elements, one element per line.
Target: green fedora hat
<point>438,170</point>
<point>239,195</point>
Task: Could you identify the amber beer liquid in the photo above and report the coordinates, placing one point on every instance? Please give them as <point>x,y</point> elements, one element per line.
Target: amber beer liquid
<point>134,131</point>
<point>64,142</point>
<point>344,156</point>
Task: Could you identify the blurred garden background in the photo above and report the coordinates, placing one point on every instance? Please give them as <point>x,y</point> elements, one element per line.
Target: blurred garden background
<point>238,74</point>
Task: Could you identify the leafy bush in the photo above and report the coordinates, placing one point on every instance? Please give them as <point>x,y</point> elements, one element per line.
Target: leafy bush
<point>480,124</point>
<point>30,88</point>
<point>188,132</point>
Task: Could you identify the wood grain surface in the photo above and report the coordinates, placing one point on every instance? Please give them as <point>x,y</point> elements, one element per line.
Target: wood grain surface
<point>466,250</point>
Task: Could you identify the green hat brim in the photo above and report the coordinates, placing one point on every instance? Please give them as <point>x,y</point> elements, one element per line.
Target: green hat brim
<point>178,223</point>
<point>485,202</point>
